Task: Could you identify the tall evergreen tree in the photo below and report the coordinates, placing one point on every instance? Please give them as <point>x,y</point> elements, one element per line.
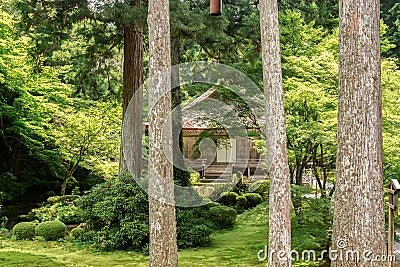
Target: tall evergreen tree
<point>359,219</point>
<point>133,80</point>
<point>278,168</point>
<point>163,244</point>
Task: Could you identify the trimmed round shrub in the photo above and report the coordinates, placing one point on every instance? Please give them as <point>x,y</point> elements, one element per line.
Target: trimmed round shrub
<point>213,204</point>
<point>76,233</point>
<point>253,199</point>
<point>261,187</point>
<point>24,230</point>
<point>241,201</point>
<point>222,216</point>
<point>51,230</point>
<point>228,199</point>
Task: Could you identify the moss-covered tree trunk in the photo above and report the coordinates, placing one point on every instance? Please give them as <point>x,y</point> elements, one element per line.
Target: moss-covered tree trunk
<point>359,219</point>
<point>278,167</point>
<point>163,245</point>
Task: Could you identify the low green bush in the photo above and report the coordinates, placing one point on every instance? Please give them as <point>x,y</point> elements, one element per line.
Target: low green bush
<point>228,199</point>
<point>193,229</point>
<point>261,187</point>
<point>117,217</point>
<point>51,230</point>
<point>24,230</point>
<point>312,225</point>
<point>222,216</point>
<point>213,204</point>
<point>241,204</point>
<point>253,199</point>
<point>241,201</point>
<point>76,233</point>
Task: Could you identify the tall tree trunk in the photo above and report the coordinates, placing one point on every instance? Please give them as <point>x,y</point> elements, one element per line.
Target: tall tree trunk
<point>359,219</point>
<point>163,246</point>
<point>133,79</point>
<point>181,176</point>
<point>278,168</point>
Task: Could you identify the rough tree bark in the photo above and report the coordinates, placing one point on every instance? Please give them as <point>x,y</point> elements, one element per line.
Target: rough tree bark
<point>278,167</point>
<point>133,79</point>
<point>359,219</point>
<point>163,246</point>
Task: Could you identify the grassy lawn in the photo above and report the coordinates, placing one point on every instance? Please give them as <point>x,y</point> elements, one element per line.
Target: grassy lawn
<point>236,247</point>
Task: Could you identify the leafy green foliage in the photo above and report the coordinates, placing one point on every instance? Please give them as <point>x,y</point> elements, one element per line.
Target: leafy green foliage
<point>193,229</point>
<point>222,216</point>
<point>51,230</point>
<point>24,230</point>
<point>298,38</point>
<point>24,118</point>
<point>89,136</point>
<point>91,57</point>
<point>116,217</point>
<point>390,11</point>
<point>64,210</point>
<point>391,118</point>
<point>311,109</point>
<point>313,223</point>
<point>115,213</point>
<point>323,13</point>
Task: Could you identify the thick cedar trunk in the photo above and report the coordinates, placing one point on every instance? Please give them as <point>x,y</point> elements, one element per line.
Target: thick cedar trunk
<point>163,246</point>
<point>133,79</point>
<point>359,217</point>
<point>278,168</point>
